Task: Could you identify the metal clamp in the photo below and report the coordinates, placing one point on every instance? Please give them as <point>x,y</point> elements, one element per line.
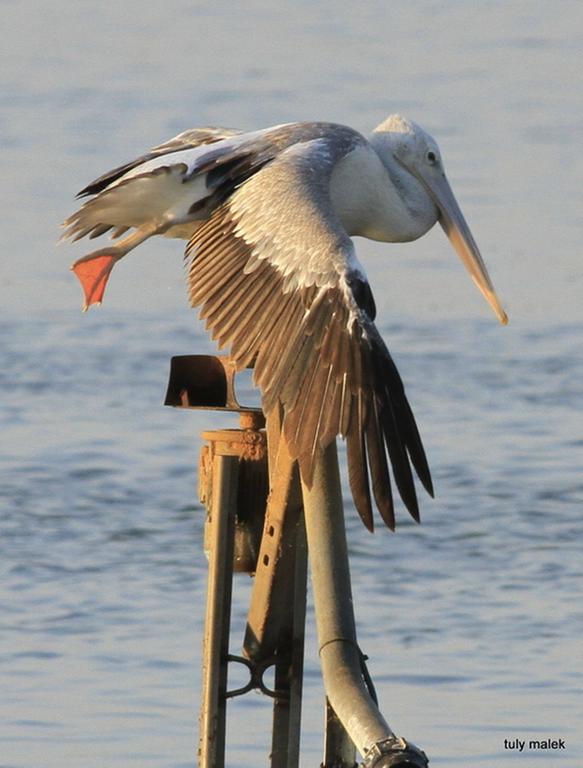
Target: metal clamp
<point>395,752</point>
<point>256,672</point>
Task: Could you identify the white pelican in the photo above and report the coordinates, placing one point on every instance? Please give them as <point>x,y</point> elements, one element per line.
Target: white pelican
<point>269,216</point>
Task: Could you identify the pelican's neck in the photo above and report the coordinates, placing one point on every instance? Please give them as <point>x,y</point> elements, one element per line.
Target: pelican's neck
<point>375,197</point>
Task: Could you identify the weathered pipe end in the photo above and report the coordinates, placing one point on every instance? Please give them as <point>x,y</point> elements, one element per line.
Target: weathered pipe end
<point>395,752</point>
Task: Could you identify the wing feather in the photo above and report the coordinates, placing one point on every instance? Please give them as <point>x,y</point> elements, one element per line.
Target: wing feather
<point>357,469</point>
<point>379,468</point>
<point>195,137</point>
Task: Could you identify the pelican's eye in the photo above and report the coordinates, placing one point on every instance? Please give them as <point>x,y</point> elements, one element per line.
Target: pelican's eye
<point>431,157</point>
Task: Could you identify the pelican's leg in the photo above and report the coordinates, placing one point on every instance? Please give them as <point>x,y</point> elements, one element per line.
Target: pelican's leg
<point>94,269</point>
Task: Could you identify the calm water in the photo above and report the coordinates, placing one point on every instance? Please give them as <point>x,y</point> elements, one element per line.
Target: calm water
<point>473,620</point>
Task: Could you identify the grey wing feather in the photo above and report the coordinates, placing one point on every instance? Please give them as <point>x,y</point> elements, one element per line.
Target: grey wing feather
<point>194,137</point>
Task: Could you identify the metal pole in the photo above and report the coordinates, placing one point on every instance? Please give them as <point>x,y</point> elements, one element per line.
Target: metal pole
<point>339,653</point>
<point>225,474</point>
<point>339,749</point>
<point>276,619</point>
<point>289,667</point>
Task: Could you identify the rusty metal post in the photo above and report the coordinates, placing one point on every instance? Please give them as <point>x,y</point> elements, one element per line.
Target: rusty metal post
<point>289,666</point>
<point>272,587</point>
<point>276,618</point>
<point>218,611</point>
<point>228,461</point>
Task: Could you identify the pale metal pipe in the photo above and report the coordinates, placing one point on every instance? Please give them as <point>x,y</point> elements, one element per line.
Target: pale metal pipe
<point>339,653</point>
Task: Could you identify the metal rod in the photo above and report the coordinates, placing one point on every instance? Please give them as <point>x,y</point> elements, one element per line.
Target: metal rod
<point>339,653</point>
<point>339,749</point>
<point>272,596</point>
<point>217,624</point>
<point>289,669</point>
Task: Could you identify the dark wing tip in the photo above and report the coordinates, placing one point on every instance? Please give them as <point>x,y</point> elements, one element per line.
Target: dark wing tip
<point>395,421</point>
<point>379,469</point>
<point>358,477</point>
<point>428,485</point>
<point>189,139</point>
<point>103,181</point>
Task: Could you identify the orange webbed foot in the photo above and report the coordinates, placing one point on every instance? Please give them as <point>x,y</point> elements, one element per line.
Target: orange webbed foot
<point>93,272</point>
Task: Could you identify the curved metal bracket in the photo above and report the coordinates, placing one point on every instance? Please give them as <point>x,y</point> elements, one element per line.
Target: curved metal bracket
<point>256,672</point>
<point>204,381</point>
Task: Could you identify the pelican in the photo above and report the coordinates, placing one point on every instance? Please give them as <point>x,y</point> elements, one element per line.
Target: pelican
<point>269,216</point>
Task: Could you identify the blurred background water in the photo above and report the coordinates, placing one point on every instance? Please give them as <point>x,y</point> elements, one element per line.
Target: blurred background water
<point>473,620</point>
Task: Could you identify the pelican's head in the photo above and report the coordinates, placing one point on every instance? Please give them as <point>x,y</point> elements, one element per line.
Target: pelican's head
<point>417,153</point>
<point>410,144</point>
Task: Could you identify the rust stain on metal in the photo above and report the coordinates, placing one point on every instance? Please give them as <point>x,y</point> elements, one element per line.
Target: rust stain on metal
<point>248,444</point>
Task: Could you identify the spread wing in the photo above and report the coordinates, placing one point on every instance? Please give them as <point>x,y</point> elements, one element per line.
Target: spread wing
<point>278,282</point>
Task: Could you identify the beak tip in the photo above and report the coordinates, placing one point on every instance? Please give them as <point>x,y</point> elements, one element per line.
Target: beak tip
<point>500,312</point>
